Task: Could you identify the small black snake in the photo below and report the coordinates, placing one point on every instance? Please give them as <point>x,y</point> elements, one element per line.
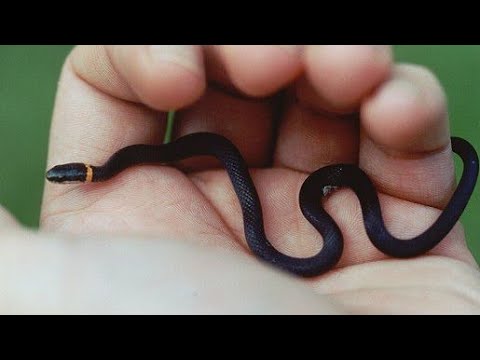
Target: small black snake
<point>314,187</point>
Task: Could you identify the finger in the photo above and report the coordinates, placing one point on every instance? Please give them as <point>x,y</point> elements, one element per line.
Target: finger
<point>341,75</point>
<point>260,70</point>
<point>232,72</point>
<point>140,276</point>
<point>312,133</point>
<point>404,148</point>
<point>89,125</point>
<point>405,143</point>
<point>248,123</point>
<point>308,140</point>
<point>163,77</point>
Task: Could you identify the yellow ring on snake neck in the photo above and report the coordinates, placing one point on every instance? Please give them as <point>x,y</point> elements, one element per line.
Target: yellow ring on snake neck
<point>89,176</point>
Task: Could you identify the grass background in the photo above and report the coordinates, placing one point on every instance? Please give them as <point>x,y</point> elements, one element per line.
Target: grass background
<point>28,79</point>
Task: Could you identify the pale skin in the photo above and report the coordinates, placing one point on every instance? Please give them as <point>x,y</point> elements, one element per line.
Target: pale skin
<point>170,240</point>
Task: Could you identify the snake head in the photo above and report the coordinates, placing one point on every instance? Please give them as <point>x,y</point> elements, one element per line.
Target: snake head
<point>70,173</point>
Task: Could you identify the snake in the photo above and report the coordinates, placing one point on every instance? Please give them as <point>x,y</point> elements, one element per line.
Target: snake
<point>317,185</point>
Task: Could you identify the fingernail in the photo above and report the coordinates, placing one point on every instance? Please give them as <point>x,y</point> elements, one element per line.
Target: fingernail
<point>292,49</point>
<point>384,50</point>
<point>188,56</point>
<point>399,91</point>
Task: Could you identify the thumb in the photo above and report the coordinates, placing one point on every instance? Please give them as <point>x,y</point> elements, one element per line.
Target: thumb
<point>41,273</point>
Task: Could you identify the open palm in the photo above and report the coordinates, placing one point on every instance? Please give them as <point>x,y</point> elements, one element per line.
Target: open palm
<point>290,111</point>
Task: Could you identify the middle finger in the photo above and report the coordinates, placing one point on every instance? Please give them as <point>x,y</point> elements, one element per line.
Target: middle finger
<point>320,125</point>
<point>238,103</point>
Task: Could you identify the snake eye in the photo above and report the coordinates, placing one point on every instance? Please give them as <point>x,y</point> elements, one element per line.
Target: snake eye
<point>68,173</point>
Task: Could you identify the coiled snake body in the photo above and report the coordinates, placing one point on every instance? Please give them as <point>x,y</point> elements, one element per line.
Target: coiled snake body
<point>314,187</point>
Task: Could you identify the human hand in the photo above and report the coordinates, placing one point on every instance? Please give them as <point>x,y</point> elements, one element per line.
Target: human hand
<point>110,97</point>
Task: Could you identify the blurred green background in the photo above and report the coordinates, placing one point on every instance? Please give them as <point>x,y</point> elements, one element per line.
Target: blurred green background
<point>28,79</point>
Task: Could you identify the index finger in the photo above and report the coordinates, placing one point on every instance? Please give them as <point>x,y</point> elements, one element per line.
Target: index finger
<point>96,104</point>
<point>90,123</point>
